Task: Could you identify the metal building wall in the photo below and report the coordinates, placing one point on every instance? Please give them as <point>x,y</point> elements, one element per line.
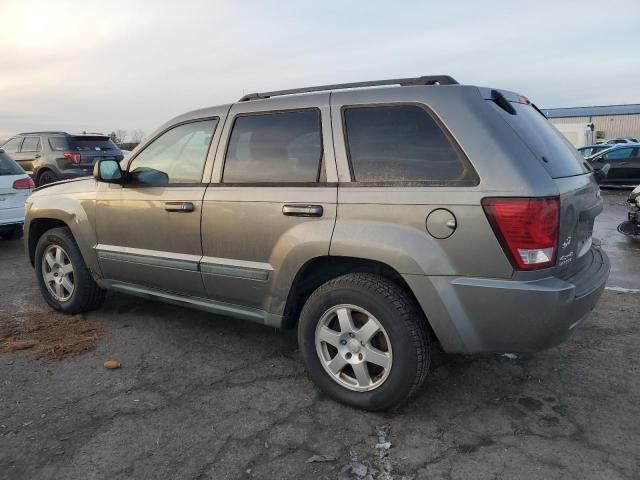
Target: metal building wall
<point>612,125</point>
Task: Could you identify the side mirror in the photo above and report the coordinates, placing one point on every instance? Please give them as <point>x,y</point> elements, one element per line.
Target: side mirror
<point>602,173</point>
<point>108,171</point>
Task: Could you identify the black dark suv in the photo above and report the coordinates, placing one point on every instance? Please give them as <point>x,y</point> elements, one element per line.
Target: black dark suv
<point>52,156</point>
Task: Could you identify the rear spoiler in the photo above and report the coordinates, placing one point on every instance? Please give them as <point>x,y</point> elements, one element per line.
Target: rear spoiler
<point>504,97</point>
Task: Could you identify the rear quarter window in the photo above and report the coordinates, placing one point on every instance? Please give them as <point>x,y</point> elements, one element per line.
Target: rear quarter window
<point>391,144</point>
<point>553,150</point>
<point>58,144</point>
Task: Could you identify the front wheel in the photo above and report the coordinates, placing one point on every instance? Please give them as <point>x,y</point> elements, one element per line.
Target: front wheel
<point>364,341</point>
<point>65,281</point>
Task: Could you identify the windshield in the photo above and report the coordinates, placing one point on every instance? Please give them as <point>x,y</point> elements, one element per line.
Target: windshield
<point>8,166</point>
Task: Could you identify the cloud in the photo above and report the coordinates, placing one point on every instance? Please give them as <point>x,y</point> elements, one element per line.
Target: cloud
<point>96,66</point>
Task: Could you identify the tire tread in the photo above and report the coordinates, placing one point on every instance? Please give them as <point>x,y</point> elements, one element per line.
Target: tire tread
<point>408,312</point>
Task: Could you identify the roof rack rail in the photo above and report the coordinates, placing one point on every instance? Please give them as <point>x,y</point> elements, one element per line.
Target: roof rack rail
<point>42,132</point>
<point>425,80</point>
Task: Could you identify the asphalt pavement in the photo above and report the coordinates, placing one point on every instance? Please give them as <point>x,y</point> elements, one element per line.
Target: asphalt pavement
<point>205,397</point>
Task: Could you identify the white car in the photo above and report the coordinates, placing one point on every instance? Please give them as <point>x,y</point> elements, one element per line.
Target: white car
<point>15,187</point>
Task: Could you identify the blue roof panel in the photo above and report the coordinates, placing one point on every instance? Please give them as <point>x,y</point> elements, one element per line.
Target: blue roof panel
<point>629,109</point>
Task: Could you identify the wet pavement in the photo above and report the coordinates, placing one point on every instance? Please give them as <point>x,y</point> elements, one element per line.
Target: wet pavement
<point>624,252</point>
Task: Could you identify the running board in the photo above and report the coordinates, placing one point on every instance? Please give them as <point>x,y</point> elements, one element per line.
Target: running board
<point>204,304</point>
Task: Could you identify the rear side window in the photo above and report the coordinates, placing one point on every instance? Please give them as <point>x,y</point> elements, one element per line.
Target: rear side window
<point>8,166</point>
<point>31,144</point>
<point>58,144</point>
<point>401,143</point>
<point>85,143</point>
<point>13,145</point>
<point>553,150</point>
<point>620,154</point>
<point>281,147</point>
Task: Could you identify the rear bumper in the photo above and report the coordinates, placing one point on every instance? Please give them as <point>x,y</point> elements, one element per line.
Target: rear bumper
<point>10,217</point>
<point>472,315</point>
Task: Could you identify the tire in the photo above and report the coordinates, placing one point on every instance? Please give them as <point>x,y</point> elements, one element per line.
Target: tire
<point>85,294</point>
<point>13,234</point>
<point>47,176</point>
<point>403,338</point>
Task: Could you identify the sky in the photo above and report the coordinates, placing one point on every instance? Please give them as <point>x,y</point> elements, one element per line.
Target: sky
<point>100,66</point>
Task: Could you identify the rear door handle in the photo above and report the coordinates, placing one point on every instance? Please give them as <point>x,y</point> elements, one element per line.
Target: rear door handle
<point>179,207</point>
<point>302,210</point>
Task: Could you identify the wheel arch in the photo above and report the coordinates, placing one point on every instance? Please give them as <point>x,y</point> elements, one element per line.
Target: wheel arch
<point>37,228</point>
<point>47,212</point>
<point>38,173</point>
<point>319,270</point>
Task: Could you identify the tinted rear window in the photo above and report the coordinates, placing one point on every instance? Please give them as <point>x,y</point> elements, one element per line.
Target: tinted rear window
<point>561,159</point>
<point>92,143</point>
<point>401,143</point>
<point>275,148</point>
<point>8,166</point>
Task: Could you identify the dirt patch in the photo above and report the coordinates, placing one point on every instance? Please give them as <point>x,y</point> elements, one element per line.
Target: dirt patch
<point>50,334</point>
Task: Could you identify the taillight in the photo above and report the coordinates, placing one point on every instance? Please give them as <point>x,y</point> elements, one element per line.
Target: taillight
<point>74,157</point>
<point>527,228</point>
<point>23,184</point>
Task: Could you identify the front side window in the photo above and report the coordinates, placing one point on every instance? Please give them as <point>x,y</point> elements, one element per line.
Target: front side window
<point>13,145</point>
<point>176,156</point>
<point>400,143</point>
<point>31,144</point>
<point>274,148</point>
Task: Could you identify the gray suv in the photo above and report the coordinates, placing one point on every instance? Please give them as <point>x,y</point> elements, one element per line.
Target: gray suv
<point>378,220</point>
<point>53,156</point>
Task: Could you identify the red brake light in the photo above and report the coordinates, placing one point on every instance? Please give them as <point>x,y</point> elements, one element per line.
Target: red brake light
<point>74,157</point>
<point>23,184</point>
<point>527,228</point>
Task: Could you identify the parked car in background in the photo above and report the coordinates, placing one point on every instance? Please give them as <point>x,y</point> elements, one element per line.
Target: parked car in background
<point>52,156</point>
<point>378,220</point>
<point>624,164</point>
<point>615,141</point>
<point>15,187</point>
<point>591,150</point>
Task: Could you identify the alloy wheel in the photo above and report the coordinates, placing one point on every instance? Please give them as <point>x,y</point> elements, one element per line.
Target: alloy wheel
<point>58,273</point>
<point>353,348</point>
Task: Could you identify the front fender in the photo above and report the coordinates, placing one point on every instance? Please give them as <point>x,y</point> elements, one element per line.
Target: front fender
<point>76,212</point>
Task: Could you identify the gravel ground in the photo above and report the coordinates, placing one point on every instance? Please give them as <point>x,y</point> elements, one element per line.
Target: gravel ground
<point>200,396</point>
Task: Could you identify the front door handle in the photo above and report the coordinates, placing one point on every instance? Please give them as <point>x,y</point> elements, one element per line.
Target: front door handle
<point>179,207</point>
<point>302,210</point>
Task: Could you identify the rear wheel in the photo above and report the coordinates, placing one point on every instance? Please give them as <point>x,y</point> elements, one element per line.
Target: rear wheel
<point>47,177</point>
<point>364,341</point>
<point>13,234</point>
<point>65,281</point>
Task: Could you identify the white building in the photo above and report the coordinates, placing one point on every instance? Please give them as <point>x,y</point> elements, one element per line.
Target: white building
<point>609,121</point>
